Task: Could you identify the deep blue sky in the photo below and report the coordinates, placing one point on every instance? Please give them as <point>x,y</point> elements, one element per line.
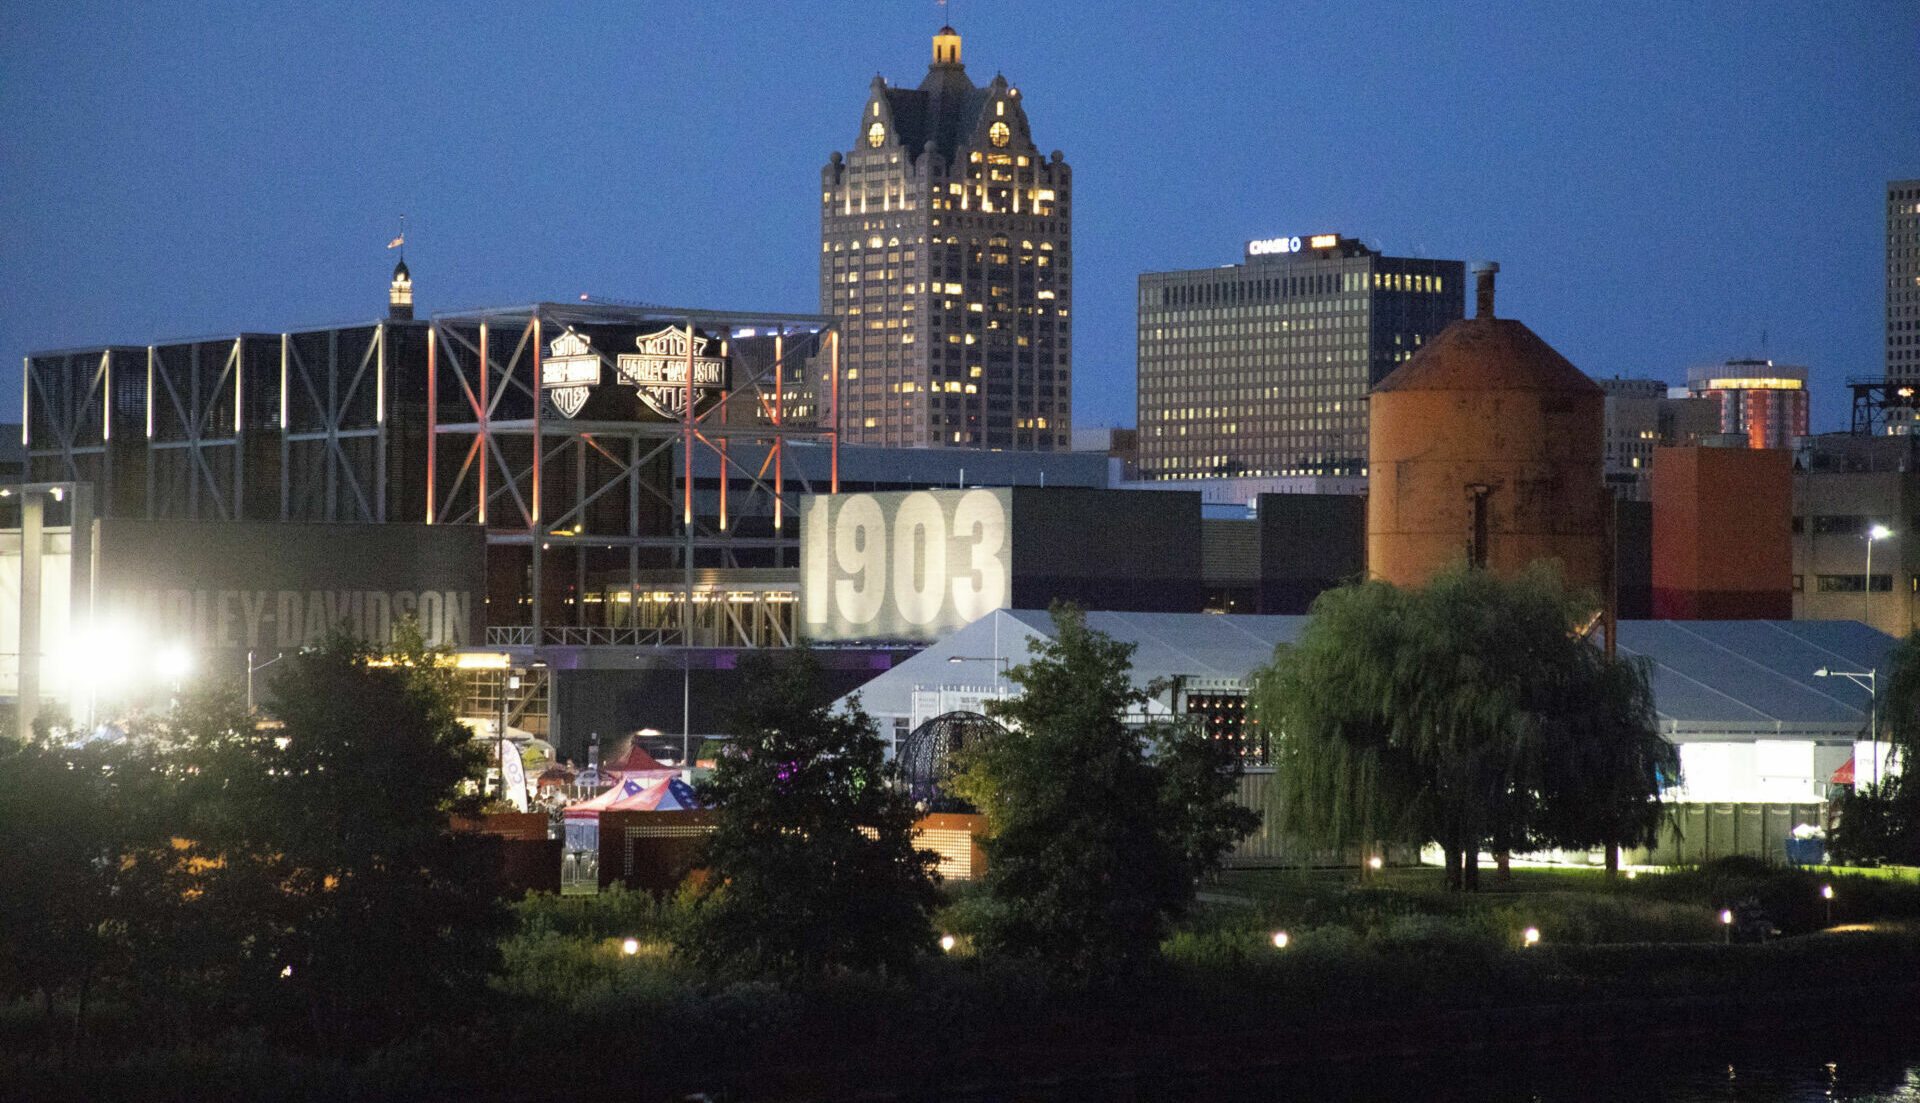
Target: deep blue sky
<point>1661,182</point>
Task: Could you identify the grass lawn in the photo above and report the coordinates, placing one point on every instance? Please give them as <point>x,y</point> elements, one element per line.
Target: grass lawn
<point>1258,883</point>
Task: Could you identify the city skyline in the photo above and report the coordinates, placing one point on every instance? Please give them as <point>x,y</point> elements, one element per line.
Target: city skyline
<point>1660,188</point>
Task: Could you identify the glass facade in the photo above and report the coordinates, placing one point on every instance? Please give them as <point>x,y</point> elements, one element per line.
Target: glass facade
<point>1263,368</point>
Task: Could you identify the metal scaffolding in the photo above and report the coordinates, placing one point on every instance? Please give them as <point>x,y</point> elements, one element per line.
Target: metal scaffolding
<point>598,493</point>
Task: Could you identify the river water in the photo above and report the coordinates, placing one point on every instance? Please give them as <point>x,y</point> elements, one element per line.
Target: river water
<point>1878,1066</point>
<point>1881,1065</point>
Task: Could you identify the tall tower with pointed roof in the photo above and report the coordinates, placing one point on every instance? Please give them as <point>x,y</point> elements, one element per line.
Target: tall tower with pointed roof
<point>400,293</point>
<point>946,250</point>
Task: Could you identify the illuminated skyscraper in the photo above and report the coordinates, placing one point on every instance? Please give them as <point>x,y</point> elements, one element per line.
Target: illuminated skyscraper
<point>1762,401</point>
<point>1262,368</point>
<point>1903,279</point>
<point>946,251</point>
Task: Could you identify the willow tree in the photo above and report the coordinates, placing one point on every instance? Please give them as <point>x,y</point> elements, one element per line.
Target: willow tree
<point>1467,712</point>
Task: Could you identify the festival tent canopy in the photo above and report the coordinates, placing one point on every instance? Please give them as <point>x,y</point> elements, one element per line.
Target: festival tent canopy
<point>638,795</point>
<point>636,760</point>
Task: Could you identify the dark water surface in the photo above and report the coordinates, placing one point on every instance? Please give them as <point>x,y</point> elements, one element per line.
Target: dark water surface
<point>1878,1066</point>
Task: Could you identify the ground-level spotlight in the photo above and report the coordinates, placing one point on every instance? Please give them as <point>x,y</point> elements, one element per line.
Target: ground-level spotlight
<point>1632,873</point>
<point>1280,940</point>
<point>1726,916</point>
<point>1826,892</point>
<point>946,943</point>
<point>286,971</point>
<point>1374,862</point>
<point>1531,936</point>
<point>630,947</point>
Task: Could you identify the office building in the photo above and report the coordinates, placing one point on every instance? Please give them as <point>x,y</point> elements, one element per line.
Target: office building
<point>1847,488</point>
<point>946,251</point>
<point>1903,279</point>
<point>1631,415</point>
<point>1262,368</point>
<point>1760,400</point>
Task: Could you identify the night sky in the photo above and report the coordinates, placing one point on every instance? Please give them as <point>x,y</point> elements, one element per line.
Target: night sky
<point>1661,183</point>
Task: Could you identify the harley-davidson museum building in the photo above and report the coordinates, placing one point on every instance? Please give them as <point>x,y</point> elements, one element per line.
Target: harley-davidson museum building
<point>540,482</point>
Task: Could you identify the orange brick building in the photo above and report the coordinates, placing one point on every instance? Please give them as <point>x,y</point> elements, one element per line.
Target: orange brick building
<point>1722,534</point>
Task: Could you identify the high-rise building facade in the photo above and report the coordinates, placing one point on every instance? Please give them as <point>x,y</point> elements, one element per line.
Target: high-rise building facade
<point>1903,279</point>
<point>1760,400</point>
<point>946,251</point>
<point>1263,367</point>
<point>1632,419</point>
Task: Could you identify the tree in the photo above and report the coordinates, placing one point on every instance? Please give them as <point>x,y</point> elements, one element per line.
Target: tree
<point>1468,711</point>
<point>79,841</point>
<point>328,872</point>
<point>1093,847</point>
<point>1880,822</point>
<point>811,864</point>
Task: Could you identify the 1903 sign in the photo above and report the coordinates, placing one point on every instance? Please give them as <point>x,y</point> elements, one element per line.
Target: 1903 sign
<point>907,565</point>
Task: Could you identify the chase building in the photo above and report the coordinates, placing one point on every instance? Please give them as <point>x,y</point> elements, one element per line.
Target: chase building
<point>1262,368</point>
<point>946,253</point>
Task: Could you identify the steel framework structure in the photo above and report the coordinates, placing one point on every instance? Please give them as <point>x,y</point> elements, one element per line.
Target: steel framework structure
<point>295,426</point>
<point>590,489</point>
<point>1873,397</point>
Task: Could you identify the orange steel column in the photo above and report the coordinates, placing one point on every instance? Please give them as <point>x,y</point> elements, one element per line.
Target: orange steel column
<point>433,415</point>
<point>779,442</point>
<point>534,523</point>
<point>486,434</point>
<point>686,445</point>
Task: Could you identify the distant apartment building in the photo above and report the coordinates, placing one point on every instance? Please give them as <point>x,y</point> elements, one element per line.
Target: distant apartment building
<point>1843,486</point>
<point>1903,279</point>
<point>1642,414</point>
<point>1632,420</point>
<point>1764,402</point>
<point>1262,368</point>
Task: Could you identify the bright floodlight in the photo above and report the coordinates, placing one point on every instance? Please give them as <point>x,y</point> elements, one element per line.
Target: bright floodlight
<point>173,663</point>
<point>1826,892</point>
<point>1531,936</point>
<point>1822,672</point>
<point>1879,532</point>
<point>946,943</point>
<point>630,947</point>
<point>1280,940</point>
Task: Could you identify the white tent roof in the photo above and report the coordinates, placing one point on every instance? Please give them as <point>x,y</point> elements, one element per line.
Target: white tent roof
<point>1712,680</point>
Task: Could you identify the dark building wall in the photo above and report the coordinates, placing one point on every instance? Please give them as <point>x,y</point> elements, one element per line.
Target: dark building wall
<point>610,703</point>
<point>1309,543</point>
<point>1134,550</point>
<point>1722,524</point>
<point>1633,559</point>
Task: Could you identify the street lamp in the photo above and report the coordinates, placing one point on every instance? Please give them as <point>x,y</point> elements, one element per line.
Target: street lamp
<point>1873,705</point>
<point>1875,532</point>
<point>251,667</point>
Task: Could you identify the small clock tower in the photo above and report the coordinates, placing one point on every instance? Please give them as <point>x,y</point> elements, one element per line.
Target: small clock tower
<point>400,294</point>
